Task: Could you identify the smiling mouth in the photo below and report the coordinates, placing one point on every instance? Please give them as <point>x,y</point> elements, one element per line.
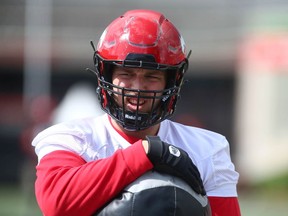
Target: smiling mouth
<point>133,104</point>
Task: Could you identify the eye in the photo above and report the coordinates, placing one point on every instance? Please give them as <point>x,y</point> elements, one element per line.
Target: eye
<point>154,77</point>
<point>123,74</point>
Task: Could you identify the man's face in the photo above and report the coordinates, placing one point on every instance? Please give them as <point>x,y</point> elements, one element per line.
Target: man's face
<point>138,79</point>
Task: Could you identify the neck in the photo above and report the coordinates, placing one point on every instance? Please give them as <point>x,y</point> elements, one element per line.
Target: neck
<point>141,134</point>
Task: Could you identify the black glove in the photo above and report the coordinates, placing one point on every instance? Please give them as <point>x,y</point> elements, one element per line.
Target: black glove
<point>172,160</point>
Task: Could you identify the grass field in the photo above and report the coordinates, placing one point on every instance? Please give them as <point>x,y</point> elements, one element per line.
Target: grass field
<point>254,203</point>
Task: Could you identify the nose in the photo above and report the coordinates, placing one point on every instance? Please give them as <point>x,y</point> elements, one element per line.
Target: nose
<point>138,82</point>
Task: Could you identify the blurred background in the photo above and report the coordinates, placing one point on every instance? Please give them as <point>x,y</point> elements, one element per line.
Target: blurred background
<point>237,85</point>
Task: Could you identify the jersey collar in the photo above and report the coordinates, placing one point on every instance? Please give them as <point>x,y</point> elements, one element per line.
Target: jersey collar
<point>130,139</point>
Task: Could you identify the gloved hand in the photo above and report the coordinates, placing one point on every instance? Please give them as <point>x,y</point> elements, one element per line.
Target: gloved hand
<point>172,160</point>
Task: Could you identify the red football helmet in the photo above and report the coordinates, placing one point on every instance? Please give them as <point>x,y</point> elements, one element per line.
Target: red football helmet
<point>140,39</point>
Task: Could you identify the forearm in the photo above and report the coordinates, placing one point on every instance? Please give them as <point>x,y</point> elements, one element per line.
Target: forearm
<point>67,185</point>
<point>222,206</point>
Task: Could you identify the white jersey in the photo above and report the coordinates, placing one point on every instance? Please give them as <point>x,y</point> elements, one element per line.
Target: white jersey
<point>95,138</point>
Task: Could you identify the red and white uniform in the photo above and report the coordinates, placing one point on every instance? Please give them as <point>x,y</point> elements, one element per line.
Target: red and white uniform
<point>85,163</point>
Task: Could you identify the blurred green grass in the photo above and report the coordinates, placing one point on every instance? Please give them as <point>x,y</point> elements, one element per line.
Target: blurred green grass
<point>15,202</point>
<point>268,198</point>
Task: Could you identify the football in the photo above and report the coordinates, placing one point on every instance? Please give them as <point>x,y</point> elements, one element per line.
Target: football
<point>157,194</point>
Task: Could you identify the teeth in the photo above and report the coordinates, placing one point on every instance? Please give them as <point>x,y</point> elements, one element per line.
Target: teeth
<point>133,101</point>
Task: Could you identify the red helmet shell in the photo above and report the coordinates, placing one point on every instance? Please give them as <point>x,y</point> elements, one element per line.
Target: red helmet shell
<point>142,32</point>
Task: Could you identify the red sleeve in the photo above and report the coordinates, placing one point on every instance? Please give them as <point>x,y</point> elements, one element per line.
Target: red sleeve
<point>223,206</point>
<point>67,185</point>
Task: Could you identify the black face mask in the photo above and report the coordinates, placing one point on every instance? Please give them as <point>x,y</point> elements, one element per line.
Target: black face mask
<point>137,120</point>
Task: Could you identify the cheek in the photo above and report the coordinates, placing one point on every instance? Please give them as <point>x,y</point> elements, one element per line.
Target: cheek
<point>115,81</point>
<point>119,83</point>
<point>158,86</point>
<point>117,91</point>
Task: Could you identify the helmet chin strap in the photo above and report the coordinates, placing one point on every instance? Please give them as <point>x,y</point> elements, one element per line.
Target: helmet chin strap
<point>134,121</point>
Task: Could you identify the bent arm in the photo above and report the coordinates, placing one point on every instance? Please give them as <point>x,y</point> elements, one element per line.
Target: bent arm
<point>67,185</point>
